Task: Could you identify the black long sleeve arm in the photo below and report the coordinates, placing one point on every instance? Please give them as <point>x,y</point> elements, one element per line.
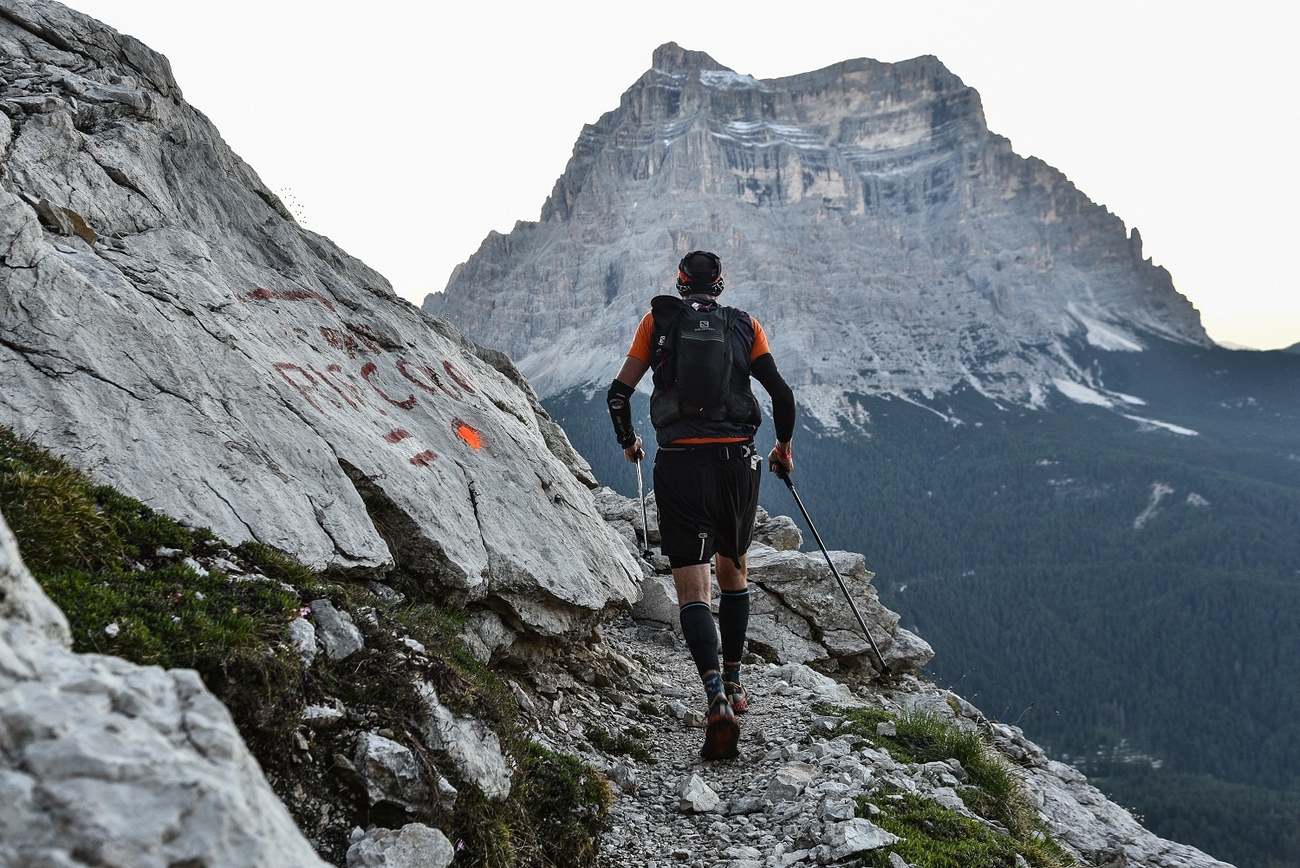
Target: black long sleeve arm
<point>764,370</point>
<point>619,399</point>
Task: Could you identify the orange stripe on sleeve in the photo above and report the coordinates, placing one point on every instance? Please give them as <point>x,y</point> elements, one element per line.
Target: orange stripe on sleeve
<point>760,341</point>
<point>641,343</point>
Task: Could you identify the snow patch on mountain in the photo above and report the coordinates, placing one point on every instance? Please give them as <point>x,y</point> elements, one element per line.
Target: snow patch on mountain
<point>1166,426</point>
<point>1081,394</point>
<point>1105,336</point>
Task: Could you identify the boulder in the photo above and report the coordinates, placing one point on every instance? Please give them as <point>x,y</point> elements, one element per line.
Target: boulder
<point>806,587</point>
<point>778,531</point>
<point>1081,818</point>
<point>302,636</point>
<point>790,781</point>
<point>826,689</point>
<point>696,796</point>
<point>486,636</point>
<point>472,746</point>
<point>107,762</point>
<point>391,772</point>
<point>856,836</point>
<point>412,846</point>
<point>321,717</point>
<point>338,634</point>
<point>658,603</point>
<point>773,637</point>
<point>905,651</point>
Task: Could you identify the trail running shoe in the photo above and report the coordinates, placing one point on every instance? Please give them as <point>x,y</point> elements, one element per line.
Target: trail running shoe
<point>737,696</point>
<point>723,732</point>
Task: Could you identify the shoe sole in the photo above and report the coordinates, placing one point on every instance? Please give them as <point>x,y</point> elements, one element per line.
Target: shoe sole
<point>740,705</point>
<point>721,739</point>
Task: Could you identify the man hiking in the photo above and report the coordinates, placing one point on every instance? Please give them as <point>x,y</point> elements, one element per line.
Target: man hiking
<point>707,470</point>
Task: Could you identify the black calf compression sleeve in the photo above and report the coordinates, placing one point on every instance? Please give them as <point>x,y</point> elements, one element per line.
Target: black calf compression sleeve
<point>701,636</point>
<point>619,399</point>
<point>733,622</point>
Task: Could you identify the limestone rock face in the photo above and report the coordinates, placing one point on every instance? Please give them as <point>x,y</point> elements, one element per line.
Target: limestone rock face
<point>166,326</point>
<point>106,762</point>
<point>883,236</point>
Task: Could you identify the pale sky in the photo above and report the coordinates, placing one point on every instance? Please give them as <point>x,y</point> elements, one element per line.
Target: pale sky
<point>406,130</point>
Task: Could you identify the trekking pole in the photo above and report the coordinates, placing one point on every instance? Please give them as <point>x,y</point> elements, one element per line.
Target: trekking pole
<point>843,587</point>
<point>645,521</point>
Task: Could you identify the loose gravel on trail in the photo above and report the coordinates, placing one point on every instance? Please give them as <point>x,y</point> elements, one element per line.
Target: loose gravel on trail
<point>779,803</point>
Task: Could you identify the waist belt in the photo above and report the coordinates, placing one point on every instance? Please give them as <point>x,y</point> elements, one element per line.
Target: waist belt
<point>724,451</point>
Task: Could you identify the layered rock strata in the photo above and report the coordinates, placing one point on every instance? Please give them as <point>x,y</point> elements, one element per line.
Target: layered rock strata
<point>166,326</point>
<point>887,240</point>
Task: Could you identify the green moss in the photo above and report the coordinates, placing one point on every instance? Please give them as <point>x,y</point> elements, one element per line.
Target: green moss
<point>51,510</point>
<point>93,550</point>
<point>995,792</point>
<point>553,817</point>
<point>277,565</point>
<point>631,742</point>
<point>935,837</point>
<point>463,683</point>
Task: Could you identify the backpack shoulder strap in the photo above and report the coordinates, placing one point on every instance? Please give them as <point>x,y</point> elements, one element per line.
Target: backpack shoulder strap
<point>665,309</point>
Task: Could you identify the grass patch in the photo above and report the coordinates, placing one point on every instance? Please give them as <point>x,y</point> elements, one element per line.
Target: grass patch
<point>277,565</point>
<point>552,819</point>
<point>231,633</point>
<point>464,684</point>
<point>995,791</point>
<point>567,802</point>
<point>933,836</point>
<point>64,522</point>
<point>631,742</point>
<point>95,552</point>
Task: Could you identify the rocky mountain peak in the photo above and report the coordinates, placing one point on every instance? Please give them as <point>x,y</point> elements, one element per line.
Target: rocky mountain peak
<point>888,241</point>
<point>673,59</point>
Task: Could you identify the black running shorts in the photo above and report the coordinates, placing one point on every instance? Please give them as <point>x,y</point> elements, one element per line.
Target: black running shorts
<point>707,497</point>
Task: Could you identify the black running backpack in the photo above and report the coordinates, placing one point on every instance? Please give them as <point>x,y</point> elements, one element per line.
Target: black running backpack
<point>692,359</point>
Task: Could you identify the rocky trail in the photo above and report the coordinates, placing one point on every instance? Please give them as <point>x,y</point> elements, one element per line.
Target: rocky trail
<point>787,793</point>
<point>790,797</point>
